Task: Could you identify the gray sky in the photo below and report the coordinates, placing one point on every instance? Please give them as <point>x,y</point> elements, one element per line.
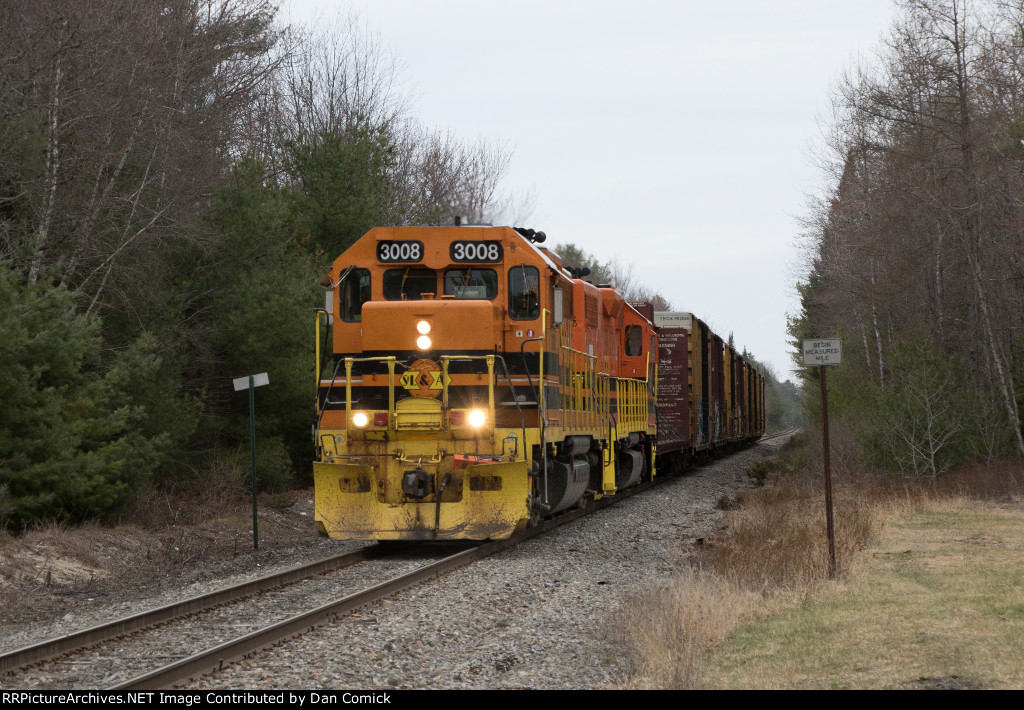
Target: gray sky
<point>674,135</point>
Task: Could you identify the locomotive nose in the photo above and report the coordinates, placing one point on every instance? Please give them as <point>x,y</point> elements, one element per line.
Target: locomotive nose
<point>449,324</point>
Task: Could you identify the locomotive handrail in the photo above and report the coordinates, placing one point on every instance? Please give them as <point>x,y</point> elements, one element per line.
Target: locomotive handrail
<point>316,314</point>
<point>634,412</point>
<point>445,359</point>
<point>492,380</point>
<point>327,396</point>
<point>598,401</point>
<point>349,361</point>
<point>543,338</point>
<point>515,398</point>
<point>341,277</point>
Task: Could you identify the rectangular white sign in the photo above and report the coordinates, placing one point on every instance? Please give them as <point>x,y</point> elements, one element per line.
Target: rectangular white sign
<point>669,319</point>
<point>242,383</point>
<point>822,351</point>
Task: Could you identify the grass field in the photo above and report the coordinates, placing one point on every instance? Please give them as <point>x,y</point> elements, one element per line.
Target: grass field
<point>937,602</point>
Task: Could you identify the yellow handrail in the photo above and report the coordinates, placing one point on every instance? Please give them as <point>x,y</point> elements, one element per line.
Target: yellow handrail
<point>390,360</point>
<point>348,398</point>
<point>445,359</point>
<point>316,338</point>
<point>543,337</point>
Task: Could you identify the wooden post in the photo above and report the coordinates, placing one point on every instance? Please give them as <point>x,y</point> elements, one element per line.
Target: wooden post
<point>828,477</point>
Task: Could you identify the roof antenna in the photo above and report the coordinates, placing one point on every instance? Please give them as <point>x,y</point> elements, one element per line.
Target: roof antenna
<point>458,221</point>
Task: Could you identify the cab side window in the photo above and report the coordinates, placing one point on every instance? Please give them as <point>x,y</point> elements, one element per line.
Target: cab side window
<point>634,340</point>
<point>523,292</point>
<point>355,291</point>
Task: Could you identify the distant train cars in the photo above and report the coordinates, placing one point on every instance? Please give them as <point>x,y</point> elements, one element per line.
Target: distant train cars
<point>476,386</point>
<point>709,397</point>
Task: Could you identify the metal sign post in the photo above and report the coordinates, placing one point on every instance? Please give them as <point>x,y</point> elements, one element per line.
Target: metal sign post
<point>251,383</point>
<point>824,352</point>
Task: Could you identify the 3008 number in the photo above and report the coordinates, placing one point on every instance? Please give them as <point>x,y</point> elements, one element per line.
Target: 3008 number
<point>399,251</point>
<point>476,251</point>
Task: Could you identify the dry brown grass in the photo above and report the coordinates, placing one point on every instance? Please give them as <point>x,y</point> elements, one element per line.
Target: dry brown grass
<point>773,555</point>
<point>937,602</point>
<point>776,539</point>
<point>672,628</point>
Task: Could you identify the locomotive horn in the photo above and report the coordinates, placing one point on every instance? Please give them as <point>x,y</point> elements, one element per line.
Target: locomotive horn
<point>531,234</point>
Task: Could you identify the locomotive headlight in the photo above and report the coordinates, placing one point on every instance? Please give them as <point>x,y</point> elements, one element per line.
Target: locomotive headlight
<point>423,327</point>
<point>477,418</point>
<point>360,419</point>
<point>423,342</point>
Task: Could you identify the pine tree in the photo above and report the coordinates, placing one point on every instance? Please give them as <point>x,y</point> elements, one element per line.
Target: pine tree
<point>68,447</point>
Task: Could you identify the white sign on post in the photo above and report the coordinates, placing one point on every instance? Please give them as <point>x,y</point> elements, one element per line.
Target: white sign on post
<point>242,383</point>
<point>821,351</point>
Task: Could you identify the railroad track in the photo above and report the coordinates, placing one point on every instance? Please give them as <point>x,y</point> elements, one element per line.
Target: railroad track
<point>85,656</point>
<point>184,666</point>
<point>213,659</point>
<point>779,434</point>
<point>54,647</point>
<point>108,654</point>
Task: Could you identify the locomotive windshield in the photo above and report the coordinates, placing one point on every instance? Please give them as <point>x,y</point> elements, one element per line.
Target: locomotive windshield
<point>355,291</point>
<point>471,283</point>
<point>409,284</point>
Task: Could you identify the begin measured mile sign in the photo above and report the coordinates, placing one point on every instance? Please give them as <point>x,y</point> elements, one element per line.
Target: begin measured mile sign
<point>822,351</point>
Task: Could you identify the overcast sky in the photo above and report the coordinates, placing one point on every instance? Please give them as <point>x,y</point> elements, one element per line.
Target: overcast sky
<point>672,134</point>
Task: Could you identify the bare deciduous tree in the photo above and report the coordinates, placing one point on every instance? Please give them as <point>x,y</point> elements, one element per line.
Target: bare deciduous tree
<point>925,215</point>
<point>344,82</point>
<point>134,108</point>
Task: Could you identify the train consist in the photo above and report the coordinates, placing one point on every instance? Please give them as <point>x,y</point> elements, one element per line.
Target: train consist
<point>477,385</point>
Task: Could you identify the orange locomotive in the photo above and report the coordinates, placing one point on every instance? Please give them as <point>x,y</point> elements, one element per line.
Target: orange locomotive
<point>476,386</point>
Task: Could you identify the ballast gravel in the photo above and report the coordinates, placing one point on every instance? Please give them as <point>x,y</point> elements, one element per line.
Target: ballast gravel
<point>541,615</point>
<point>544,614</point>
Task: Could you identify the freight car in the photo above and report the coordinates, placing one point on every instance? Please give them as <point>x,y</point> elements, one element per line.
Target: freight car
<point>475,385</point>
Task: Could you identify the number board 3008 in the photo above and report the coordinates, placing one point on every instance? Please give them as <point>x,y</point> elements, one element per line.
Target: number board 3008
<point>399,251</point>
<point>486,252</point>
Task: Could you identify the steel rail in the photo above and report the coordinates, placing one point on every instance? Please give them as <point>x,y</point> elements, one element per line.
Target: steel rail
<point>776,435</point>
<point>50,648</point>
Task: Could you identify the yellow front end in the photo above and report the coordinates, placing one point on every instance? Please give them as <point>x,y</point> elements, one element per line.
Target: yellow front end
<point>481,502</point>
<point>411,473</point>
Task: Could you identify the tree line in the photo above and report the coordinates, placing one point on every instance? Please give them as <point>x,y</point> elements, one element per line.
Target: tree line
<point>915,253</point>
<point>175,179</point>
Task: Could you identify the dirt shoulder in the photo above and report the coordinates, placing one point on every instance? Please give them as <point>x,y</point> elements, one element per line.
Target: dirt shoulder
<point>55,570</point>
